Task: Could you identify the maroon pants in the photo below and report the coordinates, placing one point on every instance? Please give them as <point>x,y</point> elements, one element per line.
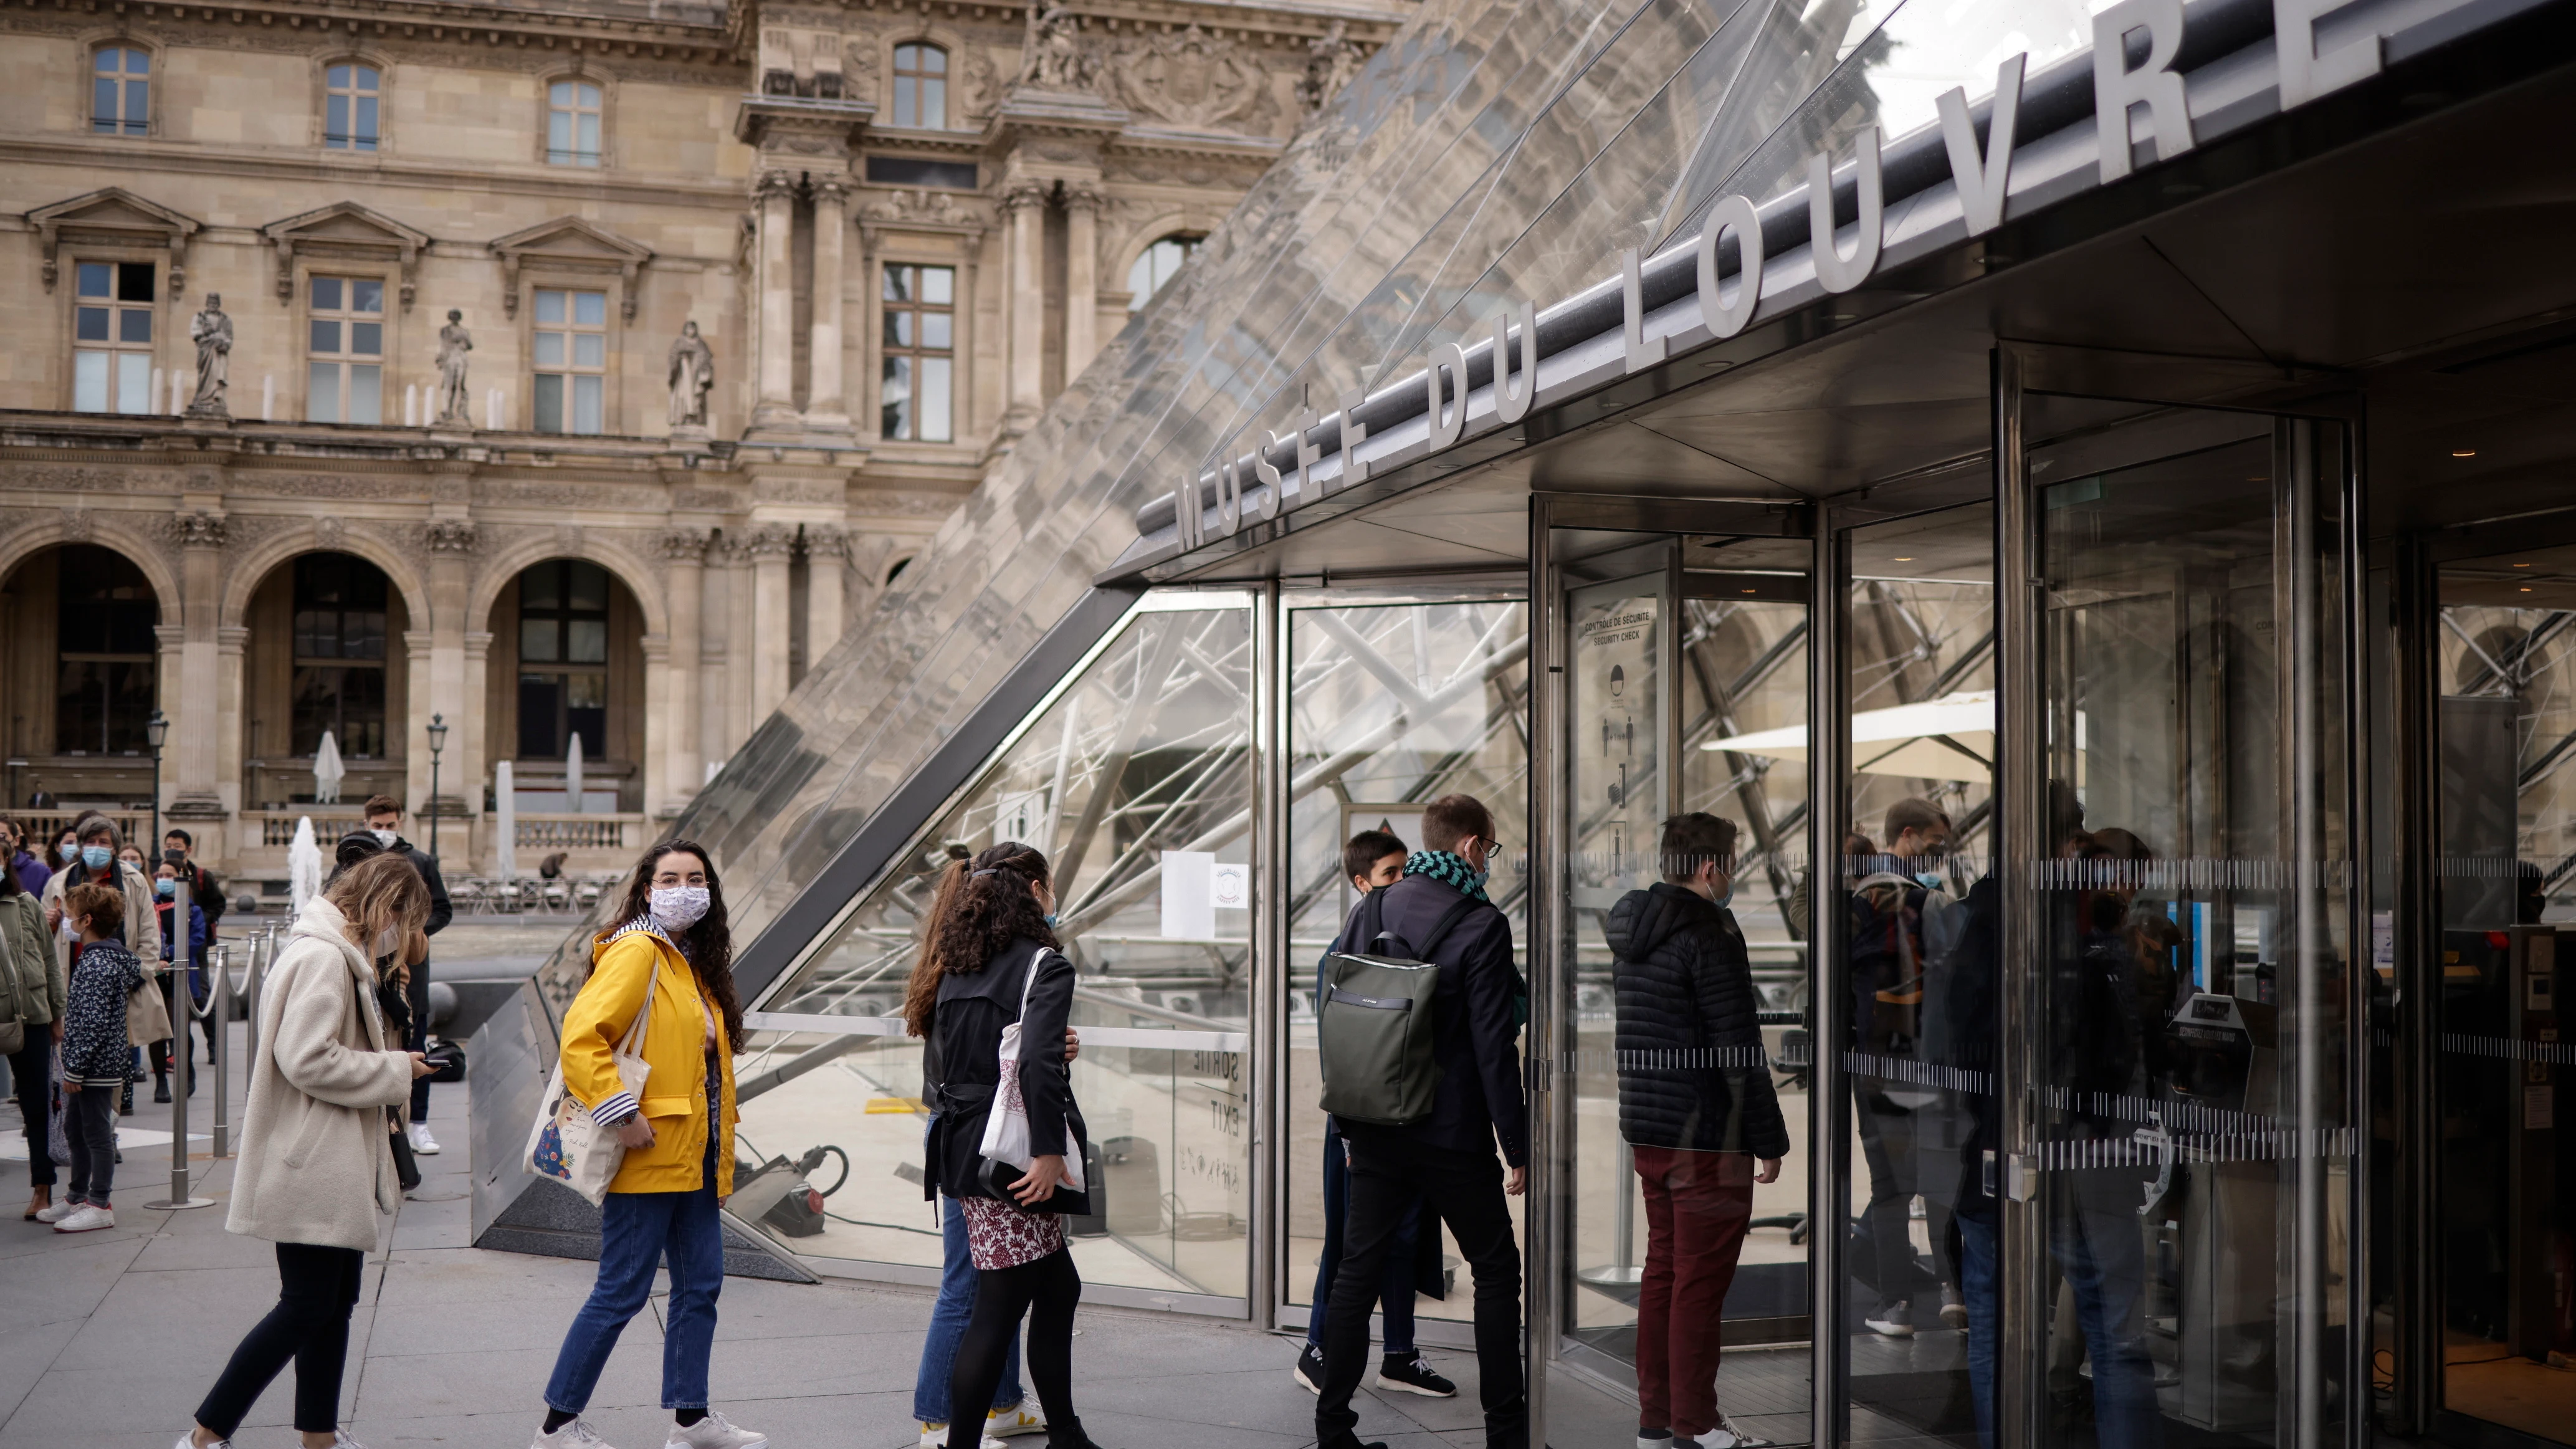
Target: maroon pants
<point>1697,1207</point>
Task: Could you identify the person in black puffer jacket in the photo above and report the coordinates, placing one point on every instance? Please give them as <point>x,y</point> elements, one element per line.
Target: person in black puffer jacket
<point>1697,1108</point>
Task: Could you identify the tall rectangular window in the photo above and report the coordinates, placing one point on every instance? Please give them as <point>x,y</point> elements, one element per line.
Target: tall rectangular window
<point>340,606</point>
<point>572,123</point>
<point>120,101</point>
<point>112,338</point>
<point>345,351</point>
<point>920,87</point>
<point>104,614</point>
<point>920,354</point>
<point>349,110</point>
<point>563,659</point>
<point>572,360</point>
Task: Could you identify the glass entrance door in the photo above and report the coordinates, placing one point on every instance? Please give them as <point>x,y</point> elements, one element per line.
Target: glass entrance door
<point>1674,1272</point>
<point>2173,1236</point>
<point>2504,1182</point>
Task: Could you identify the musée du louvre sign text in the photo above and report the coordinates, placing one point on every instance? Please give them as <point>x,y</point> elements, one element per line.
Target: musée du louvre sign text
<point>2137,96</point>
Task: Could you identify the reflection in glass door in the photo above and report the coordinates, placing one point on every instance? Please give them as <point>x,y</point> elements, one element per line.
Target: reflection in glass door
<point>2183,1149</point>
<point>2506,1184</point>
<point>1681,690</point>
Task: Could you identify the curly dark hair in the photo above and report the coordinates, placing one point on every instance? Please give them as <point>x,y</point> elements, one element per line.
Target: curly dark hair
<point>983,905</point>
<point>708,945</point>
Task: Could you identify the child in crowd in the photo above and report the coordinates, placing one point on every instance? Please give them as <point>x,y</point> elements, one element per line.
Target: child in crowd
<point>95,1051</point>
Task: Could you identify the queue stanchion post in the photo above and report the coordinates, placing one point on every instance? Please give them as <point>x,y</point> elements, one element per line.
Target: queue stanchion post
<point>219,1000</point>
<point>183,1010</point>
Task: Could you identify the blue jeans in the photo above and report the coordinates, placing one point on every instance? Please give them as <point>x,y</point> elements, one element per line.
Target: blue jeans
<point>948,1319</point>
<point>1980,1288</point>
<point>637,1231</point>
<point>1395,1285</point>
<point>2094,1236</point>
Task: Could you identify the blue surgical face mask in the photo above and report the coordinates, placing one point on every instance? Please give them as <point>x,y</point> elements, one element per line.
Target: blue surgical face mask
<point>1050,920</point>
<point>95,856</point>
<point>166,887</point>
<point>1720,898</point>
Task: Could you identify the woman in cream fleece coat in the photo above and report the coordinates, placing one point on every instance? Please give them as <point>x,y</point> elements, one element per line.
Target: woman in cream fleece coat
<point>316,1171</point>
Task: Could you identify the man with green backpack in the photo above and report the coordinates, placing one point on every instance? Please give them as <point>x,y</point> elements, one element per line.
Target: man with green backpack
<point>1418,1034</point>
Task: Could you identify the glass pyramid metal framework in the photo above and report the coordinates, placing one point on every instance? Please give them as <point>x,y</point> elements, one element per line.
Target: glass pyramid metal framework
<point>1497,150</point>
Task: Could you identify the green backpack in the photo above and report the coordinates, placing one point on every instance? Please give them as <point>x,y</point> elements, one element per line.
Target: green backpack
<point>1373,1027</point>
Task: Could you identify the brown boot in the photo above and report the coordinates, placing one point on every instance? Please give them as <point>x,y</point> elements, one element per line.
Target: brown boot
<point>37,1202</point>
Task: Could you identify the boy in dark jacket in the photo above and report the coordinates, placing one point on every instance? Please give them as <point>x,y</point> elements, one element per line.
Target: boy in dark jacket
<point>1697,1108</point>
<point>1446,1159</point>
<point>103,975</point>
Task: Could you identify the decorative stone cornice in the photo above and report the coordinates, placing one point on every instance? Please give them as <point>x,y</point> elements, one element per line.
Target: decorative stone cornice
<point>825,541</point>
<point>1021,195</point>
<point>684,545</point>
<point>345,229</point>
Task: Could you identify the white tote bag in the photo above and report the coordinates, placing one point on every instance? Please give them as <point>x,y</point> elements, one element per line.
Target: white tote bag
<point>1006,1127</point>
<point>565,1144</point>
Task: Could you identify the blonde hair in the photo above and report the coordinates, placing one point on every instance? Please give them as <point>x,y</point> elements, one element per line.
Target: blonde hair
<point>377,892</point>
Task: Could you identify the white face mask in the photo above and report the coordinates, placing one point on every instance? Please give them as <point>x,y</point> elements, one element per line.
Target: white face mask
<point>385,838</point>
<point>677,908</point>
<point>388,941</point>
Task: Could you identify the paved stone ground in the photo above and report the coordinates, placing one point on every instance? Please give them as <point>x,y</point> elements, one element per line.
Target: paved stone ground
<point>109,1339</point>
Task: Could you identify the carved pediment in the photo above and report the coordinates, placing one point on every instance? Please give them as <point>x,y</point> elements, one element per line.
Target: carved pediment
<point>349,230</point>
<point>572,244</point>
<point>117,217</point>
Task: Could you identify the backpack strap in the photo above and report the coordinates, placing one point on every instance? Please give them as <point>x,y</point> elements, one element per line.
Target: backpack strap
<point>1373,924</point>
<point>1447,922</point>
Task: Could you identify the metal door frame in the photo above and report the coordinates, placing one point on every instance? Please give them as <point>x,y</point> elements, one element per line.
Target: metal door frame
<point>2307,461</point>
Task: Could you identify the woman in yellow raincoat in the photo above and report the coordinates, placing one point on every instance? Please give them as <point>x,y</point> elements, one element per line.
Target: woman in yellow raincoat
<point>673,941</point>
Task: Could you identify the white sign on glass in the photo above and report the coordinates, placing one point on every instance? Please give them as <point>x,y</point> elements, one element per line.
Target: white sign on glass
<point>1189,895</point>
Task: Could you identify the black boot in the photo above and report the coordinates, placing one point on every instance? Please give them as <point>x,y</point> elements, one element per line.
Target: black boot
<point>1068,1435</point>
<point>125,1102</point>
<point>161,1087</point>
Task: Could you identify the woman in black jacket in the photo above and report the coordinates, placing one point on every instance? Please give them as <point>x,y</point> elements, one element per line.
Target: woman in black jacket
<point>989,958</point>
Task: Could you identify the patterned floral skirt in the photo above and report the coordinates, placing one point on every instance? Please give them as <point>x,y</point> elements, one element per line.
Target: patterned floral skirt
<point>1001,1235</point>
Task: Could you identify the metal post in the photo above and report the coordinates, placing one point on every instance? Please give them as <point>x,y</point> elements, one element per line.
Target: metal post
<point>183,1009</point>
<point>219,997</point>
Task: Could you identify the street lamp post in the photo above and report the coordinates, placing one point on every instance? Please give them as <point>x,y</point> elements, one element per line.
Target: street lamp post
<point>437,742</point>
<point>156,730</point>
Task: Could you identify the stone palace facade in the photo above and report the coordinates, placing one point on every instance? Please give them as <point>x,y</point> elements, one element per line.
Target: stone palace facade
<point>571,371</point>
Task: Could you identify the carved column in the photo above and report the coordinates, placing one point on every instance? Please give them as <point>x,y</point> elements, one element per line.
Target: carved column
<point>827,562</point>
<point>726,650</point>
<point>228,738</point>
<point>776,407</point>
<point>1024,206</point>
<point>1081,279</point>
<point>440,665</point>
<point>472,760</point>
<point>420,653</point>
<point>190,780</point>
<point>685,552</point>
<point>650,751</point>
<point>827,405</point>
<point>770,546</point>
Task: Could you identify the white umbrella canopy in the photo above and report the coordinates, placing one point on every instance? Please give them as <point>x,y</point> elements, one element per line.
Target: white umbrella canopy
<point>1950,738</point>
<point>505,847</point>
<point>304,863</point>
<point>572,776</point>
<point>327,771</point>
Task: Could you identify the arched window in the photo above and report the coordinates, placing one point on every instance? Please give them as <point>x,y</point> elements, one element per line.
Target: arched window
<point>352,93</point>
<point>572,123</point>
<point>1157,265</point>
<point>920,87</point>
<point>105,681</point>
<point>121,91</point>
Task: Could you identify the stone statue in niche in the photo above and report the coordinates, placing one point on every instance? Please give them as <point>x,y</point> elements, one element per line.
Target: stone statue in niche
<point>1332,58</point>
<point>212,331</point>
<point>693,374</point>
<point>1054,58</point>
<point>453,343</point>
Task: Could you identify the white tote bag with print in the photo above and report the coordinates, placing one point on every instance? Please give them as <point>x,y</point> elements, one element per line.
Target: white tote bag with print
<point>1006,1127</point>
<point>565,1144</point>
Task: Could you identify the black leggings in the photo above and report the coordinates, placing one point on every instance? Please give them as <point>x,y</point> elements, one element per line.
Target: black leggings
<point>30,1071</point>
<point>317,1287</point>
<point>1046,1291</point>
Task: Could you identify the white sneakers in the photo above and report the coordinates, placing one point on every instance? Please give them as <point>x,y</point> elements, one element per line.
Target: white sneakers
<point>87,1218</point>
<point>188,1440</point>
<point>58,1211</point>
<point>1004,1423</point>
<point>714,1432</point>
<point>575,1434</point>
<point>1723,1435</point>
<point>421,1141</point>
<point>935,1436</point>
